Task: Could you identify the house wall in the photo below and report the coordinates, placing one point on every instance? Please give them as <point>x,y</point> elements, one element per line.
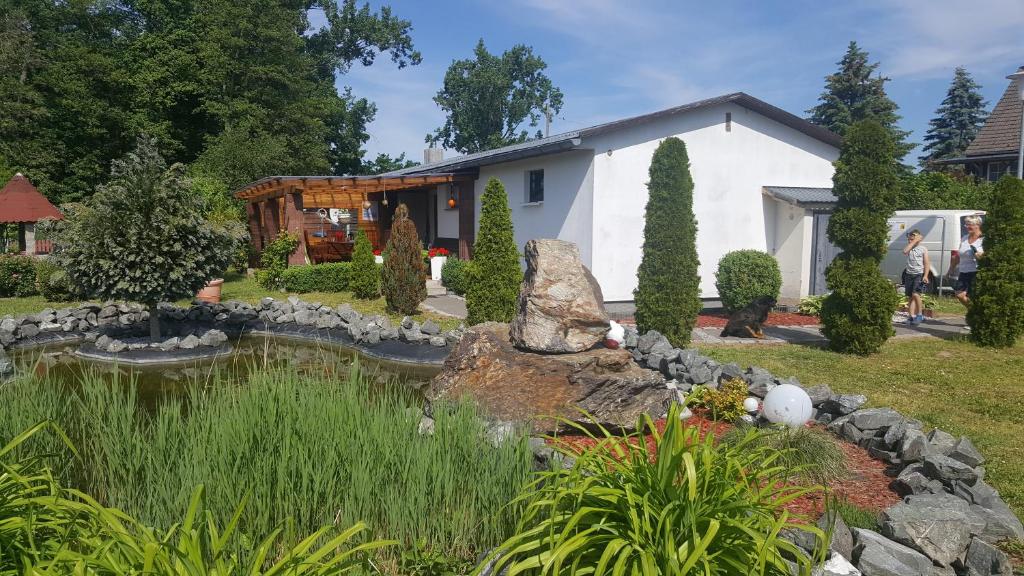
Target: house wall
<point>729,169</point>
<point>447,218</point>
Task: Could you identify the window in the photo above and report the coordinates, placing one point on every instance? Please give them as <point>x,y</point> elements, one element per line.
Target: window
<point>997,170</point>
<point>534,186</point>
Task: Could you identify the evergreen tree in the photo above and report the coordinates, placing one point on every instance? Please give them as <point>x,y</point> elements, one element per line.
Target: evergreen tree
<point>668,286</point>
<point>958,120</point>
<point>363,276</point>
<point>996,314</point>
<point>402,278</point>
<point>852,94</point>
<point>494,273</point>
<point>856,316</point>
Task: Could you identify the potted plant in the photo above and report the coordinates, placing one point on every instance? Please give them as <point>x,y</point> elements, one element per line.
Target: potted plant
<point>378,257</point>
<point>437,256</point>
<point>211,292</point>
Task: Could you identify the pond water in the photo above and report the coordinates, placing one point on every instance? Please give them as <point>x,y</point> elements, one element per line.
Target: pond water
<point>249,354</point>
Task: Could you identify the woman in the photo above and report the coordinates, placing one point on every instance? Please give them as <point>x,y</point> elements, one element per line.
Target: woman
<point>915,279</point>
<point>966,259</point>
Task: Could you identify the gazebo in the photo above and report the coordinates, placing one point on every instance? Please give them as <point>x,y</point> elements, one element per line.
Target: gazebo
<point>22,204</point>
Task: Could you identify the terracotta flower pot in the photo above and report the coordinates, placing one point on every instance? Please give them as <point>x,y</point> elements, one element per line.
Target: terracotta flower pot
<point>211,292</point>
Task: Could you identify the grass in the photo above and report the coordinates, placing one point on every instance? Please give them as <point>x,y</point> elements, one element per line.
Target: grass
<point>856,517</point>
<point>814,455</point>
<point>950,384</point>
<point>239,287</point>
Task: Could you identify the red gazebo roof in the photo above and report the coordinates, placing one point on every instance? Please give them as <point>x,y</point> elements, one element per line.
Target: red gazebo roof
<point>21,202</point>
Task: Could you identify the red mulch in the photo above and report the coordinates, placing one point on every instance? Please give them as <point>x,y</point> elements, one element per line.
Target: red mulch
<point>866,487</point>
<point>719,319</point>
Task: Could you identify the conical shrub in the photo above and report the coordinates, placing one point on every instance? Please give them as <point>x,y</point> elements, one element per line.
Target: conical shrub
<point>494,272</point>
<point>364,276</point>
<point>996,314</point>
<point>402,278</point>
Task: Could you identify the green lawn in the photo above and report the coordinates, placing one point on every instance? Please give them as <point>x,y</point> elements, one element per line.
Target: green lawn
<point>239,287</point>
<point>953,385</point>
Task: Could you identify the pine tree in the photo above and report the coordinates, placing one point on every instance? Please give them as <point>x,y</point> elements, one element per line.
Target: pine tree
<point>852,94</point>
<point>494,272</point>
<point>958,120</point>
<point>856,316</point>
<point>363,276</point>
<point>996,314</point>
<point>402,278</point>
<point>668,286</point>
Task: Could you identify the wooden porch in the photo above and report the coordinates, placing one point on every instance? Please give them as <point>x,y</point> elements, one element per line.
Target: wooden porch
<point>326,212</point>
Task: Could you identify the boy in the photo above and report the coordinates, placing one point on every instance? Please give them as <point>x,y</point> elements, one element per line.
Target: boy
<point>915,279</point>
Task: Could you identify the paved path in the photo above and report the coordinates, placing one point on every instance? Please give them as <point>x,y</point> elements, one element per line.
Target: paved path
<point>946,327</point>
<point>448,305</point>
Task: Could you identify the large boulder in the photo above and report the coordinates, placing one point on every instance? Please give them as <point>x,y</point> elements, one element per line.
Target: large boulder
<point>512,385</point>
<point>938,525</point>
<point>560,307</point>
<point>876,555</point>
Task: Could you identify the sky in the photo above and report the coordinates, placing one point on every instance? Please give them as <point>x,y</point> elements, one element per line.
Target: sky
<point>614,58</point>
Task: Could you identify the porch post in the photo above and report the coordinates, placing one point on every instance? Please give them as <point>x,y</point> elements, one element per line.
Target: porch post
<point>30,238</point>
<point>252,209</point>
<point>21,237</point>
<point>293,223</point>
<point>467,219</point>
<point>271,221</point>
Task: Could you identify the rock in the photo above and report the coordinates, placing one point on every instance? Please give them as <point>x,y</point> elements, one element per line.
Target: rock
<point>819,394</point>
<point>942,442</point>
<point>524,387</point>
<point>430,328</point>
<point>560,307</point>
<point>965,452</point>
<point>1000,521</point>
<point>426,426</point>
<point>730,371</point>
<point>169,344</point>
<point>116,346</point>
<point>285,318</point>
<point>500,432</point>
<point>438,341</point>
<point>328,322</point>
<point>875,418</point>
<point>875,555</point>
<point>8,325</point>
<point>914,447</point>
<point>631,338</point>
<point>759,381</point>
<point>936,525</point>
<point>28,331</point>
<point>842,537</point>
<point>6,366</point>
<point>912,481</point>
<point>372,335</point>
<point>843,404</point>
<point>894,435</point>
<point>213,338</point>
<point>649,340</point>
<point>102,341</point>
<point>984,559</point>
<point>306,317</point>
<point>412,334</point>
<point>836,565</point>
<point>188,342</point>
<point>946,469</point>
<point>978,493</point>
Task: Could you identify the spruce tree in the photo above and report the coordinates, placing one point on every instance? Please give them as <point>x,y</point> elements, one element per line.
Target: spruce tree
<point>494,272</point>
<point>402,278</point>
<point>852,94</point>
<point>363,276</point>
<point>957,120</point>
<point>856,316</point>
<point>668,286</point>
<point>996,314</point>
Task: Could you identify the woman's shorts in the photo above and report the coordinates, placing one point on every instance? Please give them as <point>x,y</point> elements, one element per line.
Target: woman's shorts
<point>965,283</point>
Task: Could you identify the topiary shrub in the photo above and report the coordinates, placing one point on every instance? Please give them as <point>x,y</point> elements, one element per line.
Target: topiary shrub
<point>274,260</point>
<point>668,286</point>
<point>996,313</point>
<point>364,274</point>
<point>330,277</point>
<point>52,282</point>
<point>17,276</point>
<point>745,275</point>
<point>856,316</point>
<point>402,279</point>
<point>494,274</point>
<point>454,275</point>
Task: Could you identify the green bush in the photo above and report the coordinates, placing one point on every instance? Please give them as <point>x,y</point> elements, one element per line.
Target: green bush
<point>402,278</point>
<point>745,275</point>
<point>811,305</point>
<point>330,277</point>
<point>53,282</point>
<point>494,276</point>
<point>694,507</point>
<point>668,286</point>
<point>17,276</point>
<point>726,401</point>
<point>940,191</point>
<point>274,260</point>
<point>454,274</point>
<point>856,316</point>
<point>996,313</point>
<point>364,274</point>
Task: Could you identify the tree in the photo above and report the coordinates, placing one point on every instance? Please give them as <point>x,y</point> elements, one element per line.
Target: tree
<point>852,94</point>
<point>488,98</point>
<point>996,314</point>
<point>494,272</point>
<point>668,285</point>
<point>942,191</point>
<point>402,277</point>
<point>856,316</point>
<point>957,120</point>
<point>385,163</point>
<point>161,248</point>
<point>363,276</point>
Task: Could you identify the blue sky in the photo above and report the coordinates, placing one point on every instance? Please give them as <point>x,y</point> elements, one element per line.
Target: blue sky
<point>614,59</point>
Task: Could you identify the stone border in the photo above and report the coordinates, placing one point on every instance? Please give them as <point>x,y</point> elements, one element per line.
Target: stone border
<point>151,356</point>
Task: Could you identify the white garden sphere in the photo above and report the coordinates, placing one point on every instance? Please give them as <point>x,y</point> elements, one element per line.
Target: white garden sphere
<point>751,404</point>
<point>787,404</point>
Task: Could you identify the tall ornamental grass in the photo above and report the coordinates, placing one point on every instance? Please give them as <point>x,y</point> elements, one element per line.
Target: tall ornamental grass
<point>320,450</point>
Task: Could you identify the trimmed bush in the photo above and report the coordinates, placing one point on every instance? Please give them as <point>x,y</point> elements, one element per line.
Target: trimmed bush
<point>402,279</point>
<point>52,281</point>
<point>996,313</point>
<point>745,275</point>
<point>454,274</point>
<point>331,277</point>
<point>364,274</point>
<point>668,286</point>
<point>17,276</point>
<point>494,273</point>
<point>856,316</point>
<point>274,260</point>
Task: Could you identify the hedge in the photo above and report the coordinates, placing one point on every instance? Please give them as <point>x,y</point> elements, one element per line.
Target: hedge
<point>17,276</point>
<point>454,275</point>
<point>331,277</point>
<point>745,275</point>
<point>53,282</point>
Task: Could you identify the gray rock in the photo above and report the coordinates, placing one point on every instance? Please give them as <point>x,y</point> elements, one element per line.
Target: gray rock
<point>876,555</point>
<point>6,366</point>
<point>936,525</point>
<point>189,342</point>
<point>28,331</point>
<point>500,432</point>
<point>942,442</point>
<point>328,322</point>
<point>914,446</point>
<point>116,346</point>
<point>631,339</point>
<point>947,470</point>
<point>426,426</point>
<point>356,332</point>
<point>894,435</point>
<point>1000,522</point>
<point>389,333</point>
<point>102,341</point>
<point>819,394</point>
<point>372,335</point>
<point>759,381</point>
<point>294,301</point>
<point>842,537</point>
<point>285,318</point>
<point>805,540</point>
<point>912,481</point>
<point>965,452</point>
<point>647,341</point>
<point>411,334</point>
<point>407,322</point>
<point>700,375</point>
<point>266,303</point>
<point>137,346</point>
<point>169,344</point>
<point>213,338</point>
<point>730,371</point>
<point>844,404</point>
<point>984,559</point>
<point>430,328</point>
<point>978,493</point>
<point>8,325</point>
<point>837,565</point>
<point>306,317</point>
<point>875,418</point>
<point>438,341</point>
<point>823,417</point>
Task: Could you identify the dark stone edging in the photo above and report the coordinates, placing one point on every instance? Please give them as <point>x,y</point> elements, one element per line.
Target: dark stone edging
<point>152,357</point>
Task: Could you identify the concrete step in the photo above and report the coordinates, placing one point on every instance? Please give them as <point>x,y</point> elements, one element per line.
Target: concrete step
<point>434,288</point>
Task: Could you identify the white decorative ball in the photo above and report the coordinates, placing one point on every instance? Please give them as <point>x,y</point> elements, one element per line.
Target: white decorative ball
<point>616,332</point>
<point>751,404</point>
<point>787,404</point>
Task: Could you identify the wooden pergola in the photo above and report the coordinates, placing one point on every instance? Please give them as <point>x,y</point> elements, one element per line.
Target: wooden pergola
<point>276,203</point>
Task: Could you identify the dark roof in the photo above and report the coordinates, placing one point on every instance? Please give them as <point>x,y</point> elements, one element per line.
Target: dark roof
<point>21,202</point>
<point>1001,132</point>
<point>820,198</point>
<point>569,140</point>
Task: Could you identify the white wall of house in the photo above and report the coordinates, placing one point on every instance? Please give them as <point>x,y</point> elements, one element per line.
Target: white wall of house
<point>791,238</point>
<point>447,218</point>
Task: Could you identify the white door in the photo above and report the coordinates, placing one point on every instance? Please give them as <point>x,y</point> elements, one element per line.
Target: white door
<point>822,254</point>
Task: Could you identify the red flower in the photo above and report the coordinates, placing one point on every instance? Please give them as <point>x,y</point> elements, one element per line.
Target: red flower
<point>436,252</point>
<point>376,252</point>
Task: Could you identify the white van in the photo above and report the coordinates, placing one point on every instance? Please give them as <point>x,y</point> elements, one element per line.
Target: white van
<point>942,230</point>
